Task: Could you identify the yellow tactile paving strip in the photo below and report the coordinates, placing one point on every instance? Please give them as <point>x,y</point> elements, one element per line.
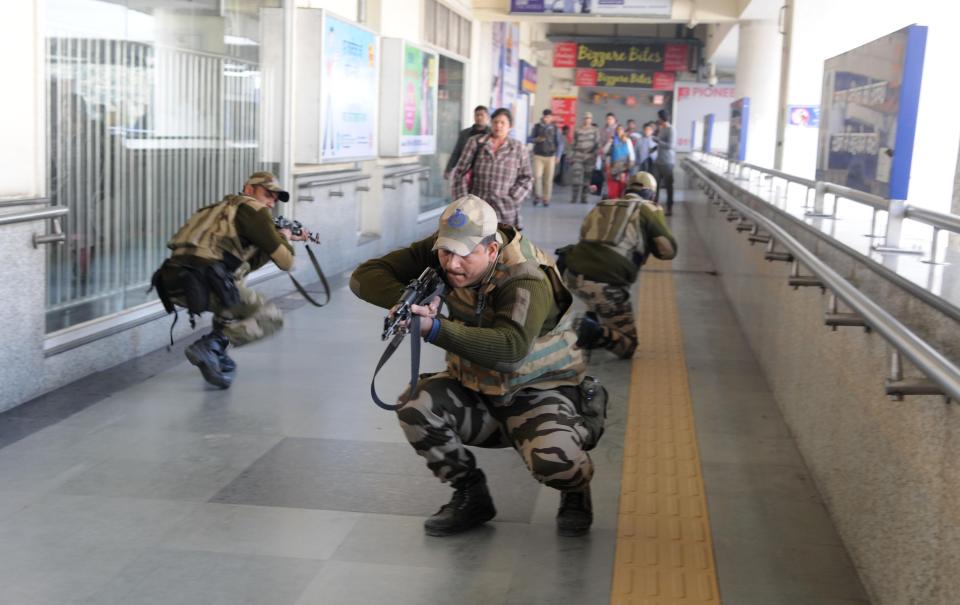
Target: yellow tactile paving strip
<point>664,550</point>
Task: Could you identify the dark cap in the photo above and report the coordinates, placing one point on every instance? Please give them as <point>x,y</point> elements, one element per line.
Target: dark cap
<point>268,181</point>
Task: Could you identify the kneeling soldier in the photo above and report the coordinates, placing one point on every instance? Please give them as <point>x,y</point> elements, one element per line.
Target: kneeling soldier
<point>616,238</point>
<point>212,254</point>
<point>514,377</point>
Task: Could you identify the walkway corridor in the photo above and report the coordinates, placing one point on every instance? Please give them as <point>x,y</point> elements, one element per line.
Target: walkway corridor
<point>141,485</point>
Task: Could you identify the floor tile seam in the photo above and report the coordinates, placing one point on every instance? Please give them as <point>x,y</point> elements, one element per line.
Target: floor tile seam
<point>657,317</point>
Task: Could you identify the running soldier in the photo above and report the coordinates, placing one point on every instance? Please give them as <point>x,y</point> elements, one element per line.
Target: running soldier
<point>212,254</point>
<point>514,377</point>
<point>583,157</point>
<point>616,238</point>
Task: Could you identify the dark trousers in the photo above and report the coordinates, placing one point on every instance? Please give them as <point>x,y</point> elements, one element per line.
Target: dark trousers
<point>664,176</point>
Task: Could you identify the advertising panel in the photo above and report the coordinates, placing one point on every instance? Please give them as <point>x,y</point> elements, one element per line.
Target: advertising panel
<point>693,100</point>
<point>803,115</point>
<point>739,120</point>
<point>408,103</point>
<point>565,54</point>
<point>528,77</point>
<point>606,8</point>
<point>869,114</point>
<point>348,107</point>
<point>506,64</point>
<point>564,112</point>
<point>707,133</point>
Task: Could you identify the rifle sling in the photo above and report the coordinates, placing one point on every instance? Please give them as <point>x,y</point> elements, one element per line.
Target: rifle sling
<point>323,280</point>
<point>414,364</point>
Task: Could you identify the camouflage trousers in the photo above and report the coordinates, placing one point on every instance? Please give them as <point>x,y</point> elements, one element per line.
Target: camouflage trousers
<point>580,170</point>
<point>611,304</point>
<point>252,319</point>
<point>542,426</point>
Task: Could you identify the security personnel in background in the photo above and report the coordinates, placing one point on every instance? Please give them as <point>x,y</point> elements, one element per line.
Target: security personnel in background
<point>615,239</point>
<point>514,377</point>
<point>212,254</point>
<point>583,158</point>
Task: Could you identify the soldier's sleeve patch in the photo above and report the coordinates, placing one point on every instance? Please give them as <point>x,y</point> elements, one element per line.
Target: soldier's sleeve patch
<point>521,306</point>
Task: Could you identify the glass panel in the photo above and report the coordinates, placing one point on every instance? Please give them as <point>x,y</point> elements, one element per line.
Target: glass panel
<point>155,108</point>
<point>453,33</point>
<point>465,33</point>
<point>443,14</point>
<point>436,192</point>
<point>430,20</point>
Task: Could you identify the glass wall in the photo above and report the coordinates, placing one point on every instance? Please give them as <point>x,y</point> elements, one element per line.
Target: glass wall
<point>450,90</point>
<point>154,109</point>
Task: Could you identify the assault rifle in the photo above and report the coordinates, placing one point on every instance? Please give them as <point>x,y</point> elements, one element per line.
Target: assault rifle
<point>402,320</point>
<point>296,228</point>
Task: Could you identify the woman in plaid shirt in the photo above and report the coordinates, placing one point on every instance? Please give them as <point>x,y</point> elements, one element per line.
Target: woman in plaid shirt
<point>496,169</point>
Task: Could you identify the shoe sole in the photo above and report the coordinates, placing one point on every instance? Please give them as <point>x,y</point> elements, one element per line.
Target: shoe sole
<point>573,533</point>
<point>440,533</point>
<point>206,371</point>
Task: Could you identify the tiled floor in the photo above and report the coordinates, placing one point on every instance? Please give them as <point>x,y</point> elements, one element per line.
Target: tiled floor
<point>141,485</point>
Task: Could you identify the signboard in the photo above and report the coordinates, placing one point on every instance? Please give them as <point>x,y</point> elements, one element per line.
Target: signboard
<point>803,115</point>
<point>348,107</point>
<point>739,120</point>
<point>564,112</point>
<point>565,54</point>
<point>653,57</point>
<point>506,64</point>
<point>528,77</point>
<point>693,100</point>
<point>707,132</point>
<point>656,80</point>
<point>408,104</point>
<point>869,114</point>
<point>604,8</point>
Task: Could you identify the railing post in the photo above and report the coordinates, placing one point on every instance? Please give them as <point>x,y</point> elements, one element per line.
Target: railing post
<point>891,242</point>
<point>820,192</point>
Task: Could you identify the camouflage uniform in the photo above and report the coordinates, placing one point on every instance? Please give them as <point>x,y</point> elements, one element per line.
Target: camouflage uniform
<point>583,157</point>
<point>211,255</point>
<point>611,305</point>
<point>615,239</point>
<point>533,405</point>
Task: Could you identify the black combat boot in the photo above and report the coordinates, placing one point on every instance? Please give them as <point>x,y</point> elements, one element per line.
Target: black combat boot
<point>207,354</point>
<point>227,364</point>
<point>471,505</point>
<point>589,333</point>
<point>576,512</point>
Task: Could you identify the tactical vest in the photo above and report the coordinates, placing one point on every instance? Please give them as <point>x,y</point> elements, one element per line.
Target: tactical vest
<point>552,360</point>
<point>617,225</point>
<point>211,232</point>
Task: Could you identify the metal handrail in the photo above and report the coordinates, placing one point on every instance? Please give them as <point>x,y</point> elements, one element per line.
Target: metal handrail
<point>940,220</point>
<point>409,172</point>
<point>27,201</point>
<point>927,359</point>
<point>33,215</point>
<point>334,181</point>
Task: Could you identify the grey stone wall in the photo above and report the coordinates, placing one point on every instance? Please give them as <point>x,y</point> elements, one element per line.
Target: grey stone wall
<point>887,470</point>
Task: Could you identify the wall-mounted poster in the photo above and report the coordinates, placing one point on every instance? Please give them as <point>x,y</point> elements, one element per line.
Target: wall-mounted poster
<point>564,112</point>
<point>506,64</point>
<point>348,107</point>
<point>739,120</point>
<point>338,79</point>
<point>869,114</point>
<point>528,77</point>
<point>408,103</point>
<point>803,115</point>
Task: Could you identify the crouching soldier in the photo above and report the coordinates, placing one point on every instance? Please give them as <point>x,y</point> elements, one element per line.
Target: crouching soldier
<point>514,377</point>
<point>616,238</point>
<point>211,255</point>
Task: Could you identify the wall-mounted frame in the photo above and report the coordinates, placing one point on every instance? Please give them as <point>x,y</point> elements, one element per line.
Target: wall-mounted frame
<point>408,99</point>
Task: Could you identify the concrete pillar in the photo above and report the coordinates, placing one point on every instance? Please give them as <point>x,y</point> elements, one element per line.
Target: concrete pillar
<point>758,77</point>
